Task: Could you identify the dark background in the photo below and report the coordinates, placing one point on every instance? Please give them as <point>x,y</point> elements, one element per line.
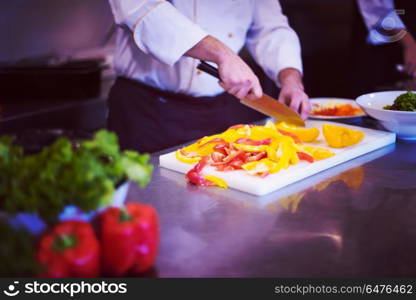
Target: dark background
<point>337,60</point>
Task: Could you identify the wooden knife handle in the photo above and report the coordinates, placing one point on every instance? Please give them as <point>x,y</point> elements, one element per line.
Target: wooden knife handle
<point>207,68</point>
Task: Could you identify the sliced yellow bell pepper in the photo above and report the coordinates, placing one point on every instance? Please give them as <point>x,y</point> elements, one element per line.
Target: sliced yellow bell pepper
<point>272,150</point>
<point>262,132</point>
<point>251,148</point>
<point>231,135</point>
<point>282,151</point>
<point>207,148</point>
<point>271,125</point>
<point>317,153</point>
<point>207,139</point>
<point>261,166</point>
<point>294,158</point>
<point>185,159</point>
<point>244,131</point>
<point>191,148</point>
<point>217,181</point>
<point>285,152</point>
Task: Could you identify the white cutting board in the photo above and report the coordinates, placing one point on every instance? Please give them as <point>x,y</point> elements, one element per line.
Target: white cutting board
<point>240,180</point>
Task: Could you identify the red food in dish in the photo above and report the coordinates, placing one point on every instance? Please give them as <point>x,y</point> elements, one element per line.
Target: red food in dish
<point>338,111</point>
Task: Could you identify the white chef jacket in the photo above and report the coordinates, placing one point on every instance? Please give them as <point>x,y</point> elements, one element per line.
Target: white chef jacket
<point>380,13</point>
<point>155,35</point>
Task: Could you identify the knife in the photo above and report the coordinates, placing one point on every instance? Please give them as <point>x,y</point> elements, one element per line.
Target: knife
<point>265,104</point>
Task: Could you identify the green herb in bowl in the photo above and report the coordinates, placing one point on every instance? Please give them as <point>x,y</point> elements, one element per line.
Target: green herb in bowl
<point>404,102</point>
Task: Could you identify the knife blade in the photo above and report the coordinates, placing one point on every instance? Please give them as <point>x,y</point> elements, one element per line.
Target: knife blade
<point>265,104</point>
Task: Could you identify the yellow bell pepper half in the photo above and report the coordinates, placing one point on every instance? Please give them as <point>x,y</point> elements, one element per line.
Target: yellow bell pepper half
<point>340,137</point>
<point>304,134</point>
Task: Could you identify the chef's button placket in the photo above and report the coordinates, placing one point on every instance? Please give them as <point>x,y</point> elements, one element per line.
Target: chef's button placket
<point>230,35</point>
<point>194,62</point>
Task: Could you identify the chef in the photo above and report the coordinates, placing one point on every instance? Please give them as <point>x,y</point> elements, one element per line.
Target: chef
<point>160,98</point>
<point>382,43</point>
<point>385,26</point>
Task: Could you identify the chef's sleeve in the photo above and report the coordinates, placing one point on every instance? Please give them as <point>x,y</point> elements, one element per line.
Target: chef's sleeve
<point>271,41</point>
<point>158,28</point>
<point>381,19</point>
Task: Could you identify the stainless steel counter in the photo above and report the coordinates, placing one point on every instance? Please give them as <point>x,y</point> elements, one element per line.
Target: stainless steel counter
<point>355,220</point>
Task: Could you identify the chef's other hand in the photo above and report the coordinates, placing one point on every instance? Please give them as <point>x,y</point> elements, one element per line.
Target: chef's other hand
<point>292,92</point>
<point>409,54</point>
<point>238,79</point>
<point>236,76</point>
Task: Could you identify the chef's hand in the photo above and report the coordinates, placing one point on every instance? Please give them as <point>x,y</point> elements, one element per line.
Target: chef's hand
<point>409,54</point>
<point>238,79</point>
<point>236,76</point>
<point>292,92</point>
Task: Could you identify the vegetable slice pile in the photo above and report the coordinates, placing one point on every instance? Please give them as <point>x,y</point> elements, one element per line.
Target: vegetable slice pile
<point>259,150</point>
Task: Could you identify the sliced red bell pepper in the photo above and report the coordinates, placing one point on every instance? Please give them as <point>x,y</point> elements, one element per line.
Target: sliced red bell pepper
<point>194,175</point>
<point>292,135</point>
<point>200,165</point>
<point>225,168</point>
<point>247,141</point>
<point>237,163</point>
<point>220,148</point>
<point>70,249</point>
<point>196,178</point>
<point>305,156</point>
<point>129,237</point>
<point>217,157</point>
<point>255,156</point>
<point>235,154</point>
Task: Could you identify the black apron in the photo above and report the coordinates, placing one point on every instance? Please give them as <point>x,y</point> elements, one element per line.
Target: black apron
<point>147,119</point>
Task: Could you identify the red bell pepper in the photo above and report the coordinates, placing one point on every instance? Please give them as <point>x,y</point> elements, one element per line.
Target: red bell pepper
<point>71,249</point>
<point>129,237</point>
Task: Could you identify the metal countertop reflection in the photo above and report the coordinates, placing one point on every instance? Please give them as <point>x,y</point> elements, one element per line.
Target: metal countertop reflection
<point>357,219</point>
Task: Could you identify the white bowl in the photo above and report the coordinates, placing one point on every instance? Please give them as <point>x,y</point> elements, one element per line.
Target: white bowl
<point>403,123</point>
